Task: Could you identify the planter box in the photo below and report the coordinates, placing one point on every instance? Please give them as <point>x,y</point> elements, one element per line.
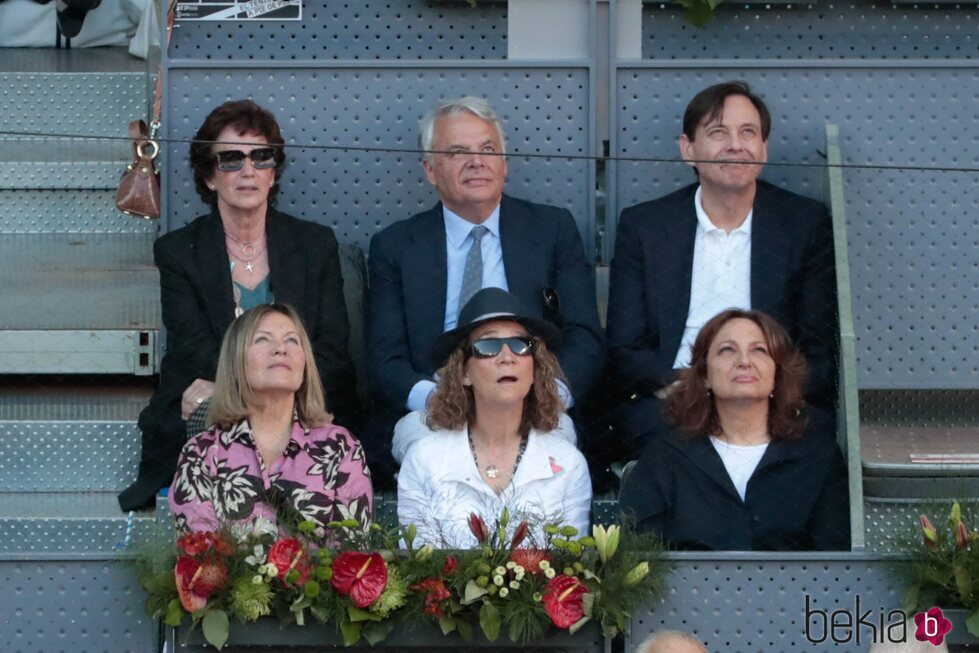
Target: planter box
<point>268,633</point>
<point>960,635</point>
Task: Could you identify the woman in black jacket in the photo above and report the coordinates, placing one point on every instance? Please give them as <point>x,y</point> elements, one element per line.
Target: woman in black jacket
<point>244,253</point>
<point>737,473</point>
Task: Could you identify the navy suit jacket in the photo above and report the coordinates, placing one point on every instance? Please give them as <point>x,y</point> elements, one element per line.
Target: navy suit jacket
<point>792,279</point>
<point>406,307</point>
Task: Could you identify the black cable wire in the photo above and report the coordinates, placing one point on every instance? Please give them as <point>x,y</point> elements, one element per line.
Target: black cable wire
<point>524,155</point>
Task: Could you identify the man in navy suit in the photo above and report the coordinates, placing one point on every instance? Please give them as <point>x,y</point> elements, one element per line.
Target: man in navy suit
<point>728,241</point>
<point>418,269</point>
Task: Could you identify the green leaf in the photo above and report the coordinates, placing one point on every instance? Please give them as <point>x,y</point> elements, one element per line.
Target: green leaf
<point>489,621</point>
<point>377,632</point>
<point>175,613</point>
<point>910,602</point>
<point>576,626</point>
<point>215,627</point>
<point>963,583</point>
<point>447,624</point>
<point>588,603</point>
<point>465,628</point>
<point>350,632</point>
<point>473,592</point>
<point>356,615</point>
<point>972,623</point>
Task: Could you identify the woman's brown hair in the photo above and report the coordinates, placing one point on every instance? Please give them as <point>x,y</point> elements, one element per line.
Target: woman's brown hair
<point>691,407</point>
<point>452,406</point>
<point>245,117</point>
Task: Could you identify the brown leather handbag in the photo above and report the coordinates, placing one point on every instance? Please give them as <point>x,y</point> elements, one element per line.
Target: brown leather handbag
<point>139,188</point>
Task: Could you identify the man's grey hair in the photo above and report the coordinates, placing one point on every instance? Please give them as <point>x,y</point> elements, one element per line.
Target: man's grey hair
<point>651,643</point>
<point>477,106</point>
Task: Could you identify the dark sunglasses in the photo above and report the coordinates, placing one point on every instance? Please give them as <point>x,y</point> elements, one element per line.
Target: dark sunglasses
<point>231,160</point>
<point>490,347</point>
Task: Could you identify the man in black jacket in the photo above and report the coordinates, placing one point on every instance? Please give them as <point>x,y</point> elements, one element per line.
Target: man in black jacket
<point>728,241</point>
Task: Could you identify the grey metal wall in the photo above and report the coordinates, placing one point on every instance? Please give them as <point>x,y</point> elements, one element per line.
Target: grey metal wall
<point>361,75</point>
<point>902,84</point>
<point>546,109</point>
<point>749,602</point>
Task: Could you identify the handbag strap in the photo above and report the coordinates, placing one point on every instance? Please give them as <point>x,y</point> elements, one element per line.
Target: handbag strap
<point>158,93</point>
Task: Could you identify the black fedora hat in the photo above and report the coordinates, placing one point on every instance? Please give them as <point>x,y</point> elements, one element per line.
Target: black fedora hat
<point>489,305</point>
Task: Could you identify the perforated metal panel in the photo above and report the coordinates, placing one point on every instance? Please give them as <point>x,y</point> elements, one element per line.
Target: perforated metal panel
<point>355,29</point>
<point>942,408</point>
<point>825,30</point>
<point>750,602</point>
<point>913,238</point>
<point>74,211</point>
<point>68,607</point>
<point>545,110</point>
<point>67,456</point>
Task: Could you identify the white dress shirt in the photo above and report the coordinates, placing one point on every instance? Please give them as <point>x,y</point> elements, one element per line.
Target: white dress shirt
<point>458,240</point>
<point>439,486</point>
<point>721,276</point>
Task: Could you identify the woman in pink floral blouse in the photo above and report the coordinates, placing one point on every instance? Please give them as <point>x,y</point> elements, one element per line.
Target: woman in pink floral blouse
<point>272,449</point>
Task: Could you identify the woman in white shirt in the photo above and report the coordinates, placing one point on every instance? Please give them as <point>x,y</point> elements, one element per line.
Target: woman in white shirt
<point>491,418</point>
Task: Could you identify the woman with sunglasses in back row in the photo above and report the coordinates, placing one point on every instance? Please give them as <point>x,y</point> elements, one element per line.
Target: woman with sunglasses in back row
<point>242,254</point>
<point>490,419</point>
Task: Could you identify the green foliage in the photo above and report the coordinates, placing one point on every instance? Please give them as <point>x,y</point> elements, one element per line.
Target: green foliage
<point>215,626</point>
<point>943,564</point>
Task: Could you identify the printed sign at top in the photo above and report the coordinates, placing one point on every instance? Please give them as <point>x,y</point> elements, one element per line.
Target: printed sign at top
<point>240,10</point>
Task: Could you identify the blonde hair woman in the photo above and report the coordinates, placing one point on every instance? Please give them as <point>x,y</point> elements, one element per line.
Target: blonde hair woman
<point>272,444</point>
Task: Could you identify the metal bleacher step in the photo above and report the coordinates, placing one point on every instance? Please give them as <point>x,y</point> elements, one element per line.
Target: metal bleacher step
<point>67,437</point>
<point>79,303</point>
<point>65,452</point>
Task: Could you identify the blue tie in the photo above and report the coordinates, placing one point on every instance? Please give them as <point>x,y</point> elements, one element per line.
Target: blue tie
<point>472,275</point>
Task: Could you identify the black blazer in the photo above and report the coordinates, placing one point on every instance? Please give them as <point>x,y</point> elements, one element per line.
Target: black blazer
<point>406,302</point>
<point>796,500</point>
<point>792,279</point>
<point>198,307</point>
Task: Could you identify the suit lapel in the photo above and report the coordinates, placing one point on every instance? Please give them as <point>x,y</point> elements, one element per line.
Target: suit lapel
<point>425,275</point>
<point>676,273</point>
<point>769,254</point>
<point>215,274</point>
<point>703,455</point>
<point>287,277</point>
<point>521,255</point>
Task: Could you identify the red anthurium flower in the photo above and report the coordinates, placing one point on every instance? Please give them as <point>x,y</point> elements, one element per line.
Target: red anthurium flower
<point>288,554</point>
<point>478,528</point>
<point>196,581</point>
<point>436,594</point>
<point>530,559</point>
<point>562,600</point>
<point>200,542</point>
<point>450,566</point>
<point>361,576</point>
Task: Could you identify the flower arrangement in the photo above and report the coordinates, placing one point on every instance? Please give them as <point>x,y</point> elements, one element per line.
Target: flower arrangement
<point>944,568</point>
<point>364,584</point>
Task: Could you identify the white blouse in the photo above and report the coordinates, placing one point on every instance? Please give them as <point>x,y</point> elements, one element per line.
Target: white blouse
<point>439,486</point>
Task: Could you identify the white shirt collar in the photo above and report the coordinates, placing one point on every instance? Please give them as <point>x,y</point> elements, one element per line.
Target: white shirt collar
<point>704,220</point>
<point>457,228</point>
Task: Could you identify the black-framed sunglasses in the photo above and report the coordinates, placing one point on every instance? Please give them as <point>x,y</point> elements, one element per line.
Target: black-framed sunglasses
<point>490,347</point>
<point>231,160</point>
